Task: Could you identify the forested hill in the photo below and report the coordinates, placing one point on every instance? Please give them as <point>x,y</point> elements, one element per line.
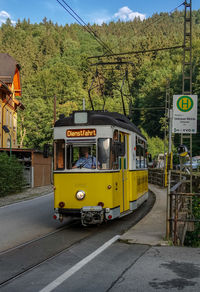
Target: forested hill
<point>54,61</point>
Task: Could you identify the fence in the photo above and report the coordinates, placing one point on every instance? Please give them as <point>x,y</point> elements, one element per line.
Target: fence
<point>183,210</point>
<point>184,215</point>
<point>157,177</point>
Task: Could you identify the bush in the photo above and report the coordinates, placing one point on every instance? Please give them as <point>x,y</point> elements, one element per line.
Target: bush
<point>11,175</point>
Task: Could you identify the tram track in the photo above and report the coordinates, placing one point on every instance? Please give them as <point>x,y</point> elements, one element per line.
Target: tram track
<point>19,260</point>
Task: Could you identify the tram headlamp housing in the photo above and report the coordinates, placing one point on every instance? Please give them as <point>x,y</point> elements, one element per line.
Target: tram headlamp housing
<point>80,195</point>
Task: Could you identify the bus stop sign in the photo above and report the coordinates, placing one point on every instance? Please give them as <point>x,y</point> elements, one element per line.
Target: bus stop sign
<point>184,114</point>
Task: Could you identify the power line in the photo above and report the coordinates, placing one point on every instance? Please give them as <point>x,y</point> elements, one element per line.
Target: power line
<point>137,52</point>
<point>159,19</point>
<point>144,51</point>
<point>84,25</point>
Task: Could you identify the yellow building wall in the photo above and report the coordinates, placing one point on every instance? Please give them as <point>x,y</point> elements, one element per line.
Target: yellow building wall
<point>8,117</point>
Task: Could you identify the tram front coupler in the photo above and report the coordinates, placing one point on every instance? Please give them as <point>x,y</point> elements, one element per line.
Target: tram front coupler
<point>92,215</point>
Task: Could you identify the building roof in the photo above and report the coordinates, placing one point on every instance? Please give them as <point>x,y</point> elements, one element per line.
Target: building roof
<point>8,67</point>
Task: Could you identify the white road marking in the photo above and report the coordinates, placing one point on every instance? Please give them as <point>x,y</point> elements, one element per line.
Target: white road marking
<point>78,266</point>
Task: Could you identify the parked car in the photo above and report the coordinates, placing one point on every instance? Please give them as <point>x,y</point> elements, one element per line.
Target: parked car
<point>195,164</point>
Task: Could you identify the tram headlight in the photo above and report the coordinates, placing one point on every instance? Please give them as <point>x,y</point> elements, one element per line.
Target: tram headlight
<point>80,195</point>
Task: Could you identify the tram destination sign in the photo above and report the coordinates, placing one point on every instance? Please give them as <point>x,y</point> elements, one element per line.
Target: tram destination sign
<point>81,133</point>
<point>184,114</point>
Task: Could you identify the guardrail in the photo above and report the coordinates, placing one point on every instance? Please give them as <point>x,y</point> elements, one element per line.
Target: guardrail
<point>157,177</point>
<point>183,207</point>
<point>183,210</point>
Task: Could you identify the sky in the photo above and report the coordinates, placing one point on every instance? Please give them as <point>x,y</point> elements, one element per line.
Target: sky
<point>91,11</point>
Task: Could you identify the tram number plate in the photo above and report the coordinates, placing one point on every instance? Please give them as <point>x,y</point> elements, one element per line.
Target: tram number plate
<point>92,208</point>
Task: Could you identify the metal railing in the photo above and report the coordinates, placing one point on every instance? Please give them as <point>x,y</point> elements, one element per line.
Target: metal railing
<point>157,177</point>
<point>182,203</point>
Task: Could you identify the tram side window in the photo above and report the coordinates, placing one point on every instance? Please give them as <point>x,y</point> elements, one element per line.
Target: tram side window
<point>59,159</point>
<point>104,153</point>
<point>140,157</point>
<point>115,157</point>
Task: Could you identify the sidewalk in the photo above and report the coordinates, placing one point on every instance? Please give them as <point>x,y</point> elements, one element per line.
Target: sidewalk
<point>26,194</point>
<point>161,267</point>
<point>151,229</point>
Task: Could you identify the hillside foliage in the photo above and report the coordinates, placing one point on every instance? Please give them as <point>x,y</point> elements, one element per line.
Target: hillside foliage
<point>54,61</point>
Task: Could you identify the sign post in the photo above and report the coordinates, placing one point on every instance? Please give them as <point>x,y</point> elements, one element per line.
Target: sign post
<point>184,119</point>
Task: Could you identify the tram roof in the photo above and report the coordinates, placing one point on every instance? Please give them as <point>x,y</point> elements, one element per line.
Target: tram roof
<point>100,118</point>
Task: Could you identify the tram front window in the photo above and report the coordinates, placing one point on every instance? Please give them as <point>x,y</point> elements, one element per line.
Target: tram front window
<point>104,153</point>
<point>81,157</point>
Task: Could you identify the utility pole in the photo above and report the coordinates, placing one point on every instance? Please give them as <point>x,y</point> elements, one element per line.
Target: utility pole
<point>167,135</point>
<point>83,104</point>
<point>187,72</point>
<point>54,111</point>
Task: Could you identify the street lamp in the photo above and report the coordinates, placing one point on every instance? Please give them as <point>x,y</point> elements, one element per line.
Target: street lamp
<point>6,130</point>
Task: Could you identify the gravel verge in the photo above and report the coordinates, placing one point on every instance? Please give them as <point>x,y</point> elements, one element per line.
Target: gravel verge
<point>26,194</point>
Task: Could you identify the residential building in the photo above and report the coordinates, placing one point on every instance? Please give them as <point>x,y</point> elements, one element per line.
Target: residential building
<point>10,89</point>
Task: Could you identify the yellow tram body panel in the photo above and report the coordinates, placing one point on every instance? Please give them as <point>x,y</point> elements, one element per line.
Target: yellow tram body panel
<point>99,187</point>
<point>138,182</point>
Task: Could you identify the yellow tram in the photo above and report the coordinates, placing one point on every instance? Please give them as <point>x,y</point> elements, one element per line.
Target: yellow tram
<point>100,167</point>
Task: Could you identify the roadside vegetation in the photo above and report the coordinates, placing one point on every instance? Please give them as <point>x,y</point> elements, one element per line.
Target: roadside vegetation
<point>11,178</point>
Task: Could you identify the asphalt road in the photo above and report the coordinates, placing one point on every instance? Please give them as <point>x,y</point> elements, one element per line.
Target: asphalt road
<point>26,220</point>
<point>76,258</point>
<point>32,266</point>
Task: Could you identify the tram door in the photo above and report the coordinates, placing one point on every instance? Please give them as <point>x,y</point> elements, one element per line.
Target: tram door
<point>124,169</point>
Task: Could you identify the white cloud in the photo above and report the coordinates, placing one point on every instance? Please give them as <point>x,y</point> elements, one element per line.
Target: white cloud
<point>3,17</point>
<point>99,17</point>
<point>102,20</point>
<point>126,14</point>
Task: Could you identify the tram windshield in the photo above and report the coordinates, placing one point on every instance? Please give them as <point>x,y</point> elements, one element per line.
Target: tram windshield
<point>81,156</point>
<point>95,155</point>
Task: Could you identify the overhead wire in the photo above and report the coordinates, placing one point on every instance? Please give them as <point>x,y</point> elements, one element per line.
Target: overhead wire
<point>84,25</point>
<point>144,51</point>
<point>137,52</point>
<point>159,19</point>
